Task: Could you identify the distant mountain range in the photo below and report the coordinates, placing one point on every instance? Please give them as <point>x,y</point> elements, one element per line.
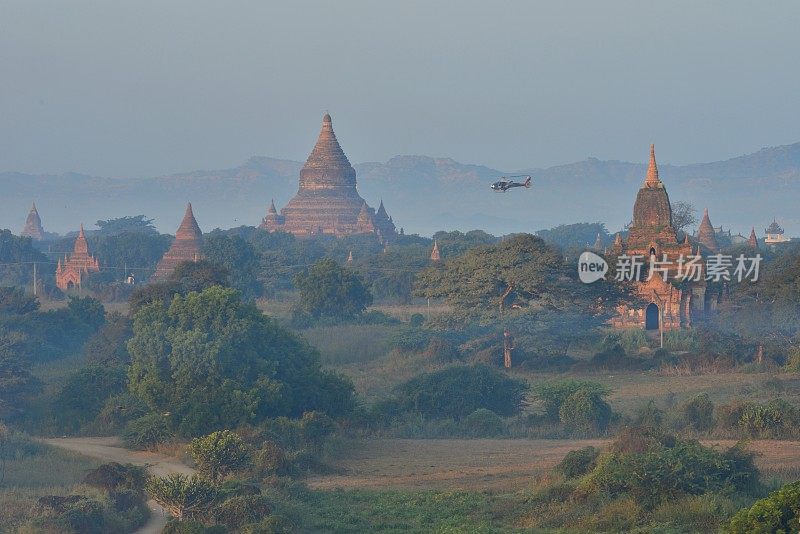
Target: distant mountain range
<point>425,194</point>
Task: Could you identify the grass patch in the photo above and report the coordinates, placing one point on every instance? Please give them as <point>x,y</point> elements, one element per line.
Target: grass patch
<point>350,343</point>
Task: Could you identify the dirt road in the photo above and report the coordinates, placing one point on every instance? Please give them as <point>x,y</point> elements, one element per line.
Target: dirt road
<point>109,450</point>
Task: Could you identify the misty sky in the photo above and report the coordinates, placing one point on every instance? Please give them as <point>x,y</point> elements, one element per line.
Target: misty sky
<point>141,88</point>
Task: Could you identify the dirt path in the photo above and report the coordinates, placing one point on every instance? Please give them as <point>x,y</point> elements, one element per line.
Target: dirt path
<point>109,450</point>
<point>491,464</point>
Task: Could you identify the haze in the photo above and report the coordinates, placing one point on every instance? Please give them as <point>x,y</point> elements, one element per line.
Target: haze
<point>141,88</point>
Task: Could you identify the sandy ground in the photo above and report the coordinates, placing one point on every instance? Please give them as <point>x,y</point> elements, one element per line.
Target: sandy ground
<point>109,450</point>
<point>489,464</point>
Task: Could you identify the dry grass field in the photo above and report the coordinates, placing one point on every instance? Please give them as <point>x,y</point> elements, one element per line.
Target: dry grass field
<point>491,464</point>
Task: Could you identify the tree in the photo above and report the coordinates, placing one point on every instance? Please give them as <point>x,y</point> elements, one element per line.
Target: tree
<point>199,275</point>
<point>214,362</point>
<point>182,496</point>
<point>108,346</point>
<point>129,224</point>
<point>17,383</point>
<point>219,454</point>
<point>460,390</point>
<point>684,215</point>
<point>779,512</point>
<point>328,290</point>
<point>572,237</point>
<point>14,301</point>
<point>239,258</point>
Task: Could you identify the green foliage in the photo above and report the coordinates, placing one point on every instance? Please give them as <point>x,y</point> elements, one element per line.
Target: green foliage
<point>129,224</point>
<point>157,292</point>
<point>17,384</point>
<point>108,346</point>
<point>115,477</point>
<point>14,301</point>
<point>183,496</point>
<point>17,255</point>
<point>585,411</point>
<point>214,362</point>
<point>774,419</point>
<point>777,514</point>
<point>328,290</point>
<point>483,423</point>
<point>200,275</point>
<point>239,258</point>
<point>146,432</point>
<point>554,394</point>
<point>219,454</point>
<point>460,390</point>
<point>84,393</point>
<point>670,468</point>
<point>456,243</point>
<point>572,237</point>
<point>242,509</point>
<point>578,462</point>
<point>697,413</point>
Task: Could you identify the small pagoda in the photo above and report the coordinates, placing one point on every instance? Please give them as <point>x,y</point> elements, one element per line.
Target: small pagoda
<point>33,225</point>
<point>186,247</point>
<point>774,234</point>
<point>70,272</point>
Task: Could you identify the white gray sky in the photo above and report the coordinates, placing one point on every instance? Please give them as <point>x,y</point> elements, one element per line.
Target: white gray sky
<point>140,88</point>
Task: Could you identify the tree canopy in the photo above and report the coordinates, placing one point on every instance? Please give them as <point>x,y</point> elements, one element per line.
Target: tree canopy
<point>329,290</point>
<point>212,361</point>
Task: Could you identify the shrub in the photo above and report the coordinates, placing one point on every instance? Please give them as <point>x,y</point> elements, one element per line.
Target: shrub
<point>669,470</point>
<point>483,423</point>
<point>416,320</point>
<point>270,459</point>
<point>219,453</point>
<point>778,513</point>
<point>442,350</point>
<point>697,413</point>
<point>175,526</point>
<point>585,411</point>
<point>460,390</point>
<point>775,419</point>
<point>182,496</point>
<point>578,462</point>
<point>243,509</point>
<point>553,394</point>
<point>146,432</point>
<point>115,477</point>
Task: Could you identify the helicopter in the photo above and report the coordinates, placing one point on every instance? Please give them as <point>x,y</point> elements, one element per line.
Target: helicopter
<point>506,183</point>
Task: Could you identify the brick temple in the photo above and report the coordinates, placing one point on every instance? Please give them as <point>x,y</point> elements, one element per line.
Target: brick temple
<point>80,263</point>
<point>186,247</point>
<point>33,225</point>
<point>327,201</point>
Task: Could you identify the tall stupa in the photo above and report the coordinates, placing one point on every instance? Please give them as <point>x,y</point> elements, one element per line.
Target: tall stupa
<point>327,201</point>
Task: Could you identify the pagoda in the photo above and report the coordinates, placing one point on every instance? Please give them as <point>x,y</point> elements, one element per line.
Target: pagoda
<point>33,225</point>
<point>70,272</point>
<point>774,234</point>
<point>327,201</point>
<point>652,235</point>
<point>186,247</point>
<point>706,234</point>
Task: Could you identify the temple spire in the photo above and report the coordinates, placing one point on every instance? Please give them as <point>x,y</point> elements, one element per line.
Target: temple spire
<point>752,242</point>
<point>652,169</point>
<point>272,207</point>
<point>706,235</point>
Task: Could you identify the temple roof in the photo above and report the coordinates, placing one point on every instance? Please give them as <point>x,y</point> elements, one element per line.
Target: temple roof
<point>652,179</point>
<point>706,235</point>
<point>33,225</point>
<point>774,228</point>
<point>189,229</point>
<point>327,152</point>
<point>81,246</point>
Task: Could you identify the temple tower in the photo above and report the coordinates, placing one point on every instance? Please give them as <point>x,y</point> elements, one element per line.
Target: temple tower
<point>74,268</point>
<point>706,235</point>
<point>33,225</point>
<point>186,247</point>
<point>435,255</point>
<point>327,201</point>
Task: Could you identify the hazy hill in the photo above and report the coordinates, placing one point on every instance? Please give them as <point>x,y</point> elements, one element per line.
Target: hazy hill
<point>425,194</point>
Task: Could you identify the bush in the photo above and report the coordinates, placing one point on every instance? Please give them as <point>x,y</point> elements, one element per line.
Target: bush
<point>146,432</point>
<point>176,526</point>
<point>483,423</point>
<point>697,413</point>
<point>578,462</point>
<point>270,459</point>
<point>182,496</point>
<point>416,320</point>
<point>775,419</point>
<point>460,390</point>
<point>115,477</point>
<point>554,394</point>
<point>240,510</point>
<point>219,453</point>
<point>585,411</point>
<point>778,513</point>
<point>670,469</point>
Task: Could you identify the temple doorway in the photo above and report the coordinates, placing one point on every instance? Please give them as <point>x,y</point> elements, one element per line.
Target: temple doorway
<point>651,317</point>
